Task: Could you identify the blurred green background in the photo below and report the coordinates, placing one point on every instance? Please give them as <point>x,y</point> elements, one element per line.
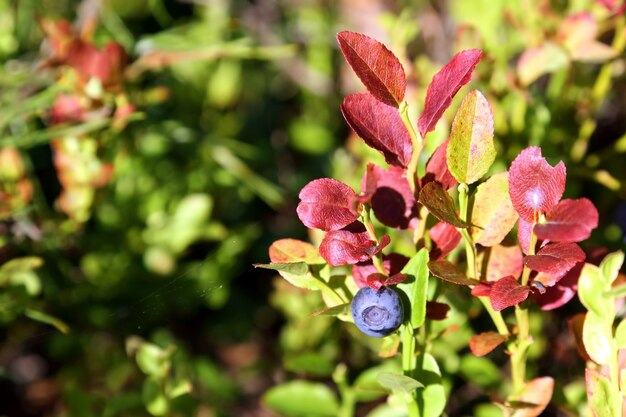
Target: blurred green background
<point>137,189</point>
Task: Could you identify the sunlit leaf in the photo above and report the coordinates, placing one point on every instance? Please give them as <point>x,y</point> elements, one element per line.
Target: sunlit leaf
<point>444,86</point>
<point>483,343</point>
<point>416,287</point>
<point>327,204</point>
<point>393,264</point>
<point>398,383</point>
<point>598,337</point>
<point>294,250</point>
<point>492,211</point>
<point>507,292</point>
<point>591,288</point>
<point>569,221</point>
<point>350,245</point>
<point>437,168</point>
<point>540,60</point>
<point>444,238</point>
<point>600,394</point>
<point>537,391</point>
<point>393,201</point>
<point>471,150</point>
<point>302,399</point>
<point>377,67</point>
<point>555,259</point>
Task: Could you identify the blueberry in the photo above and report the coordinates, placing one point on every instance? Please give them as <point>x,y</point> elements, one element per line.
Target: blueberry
<point>377,313</point>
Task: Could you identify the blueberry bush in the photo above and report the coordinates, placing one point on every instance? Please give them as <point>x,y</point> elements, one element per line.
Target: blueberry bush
<point>463,248</point>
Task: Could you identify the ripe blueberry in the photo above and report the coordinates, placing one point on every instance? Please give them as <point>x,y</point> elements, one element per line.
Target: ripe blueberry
<point>377,313</point>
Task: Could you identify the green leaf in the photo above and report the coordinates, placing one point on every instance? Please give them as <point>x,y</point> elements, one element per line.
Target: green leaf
<point>152,360</point>
<point>492,211</point>
<point>611,265</point>
<point>366,386</point>
<point>398,383</point>
<point>591,289</point>
<point>440,204</point>
<point>620,335</point>
<point>333,311</point>
<point>42,317</point>
<point>471,151</point>
<point>416,286</point>
<point>310,363</point>
<point>297,273</point>
<point>598,337</point>
<point>153,398</point>
<point>600,394</point>
<point>302,399</point>
<point>432,399</point>
<point>480,371</point>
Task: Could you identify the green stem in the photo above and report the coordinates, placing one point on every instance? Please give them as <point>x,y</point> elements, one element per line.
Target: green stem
<point>418,144</point>
<point>329,292</point>
<point>408,364</point>
<point>615,371</point>
<point>472,267</point>
<point>377,259</point>
<point>600,89</point>
<point>519,349</point>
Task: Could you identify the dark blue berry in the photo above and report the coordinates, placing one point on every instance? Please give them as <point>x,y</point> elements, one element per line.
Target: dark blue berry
<point>377,313</point>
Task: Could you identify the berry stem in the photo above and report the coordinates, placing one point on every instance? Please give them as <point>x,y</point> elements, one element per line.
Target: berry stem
<point>377,259</point>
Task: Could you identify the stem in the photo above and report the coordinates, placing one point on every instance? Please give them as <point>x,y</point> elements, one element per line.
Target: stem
<point>329,292</point>
<point>615,370</point>
<point>600,89</point>
<point>417,142</point>
<point>348,398</point>
<point>519,349</point>
<point>408,365</point>
<point>420,230</point>
<point>472,267</point>
<point>377,259</point>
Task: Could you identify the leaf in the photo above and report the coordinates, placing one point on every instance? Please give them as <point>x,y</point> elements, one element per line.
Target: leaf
<point>432,399</point>
<point>600,394</point>
<point>416,288</point>
<point>333,311</point>
<point>436,310</point>
<point>535,186</point>
<point>591,288</point>
<point>598,337</point>
<point>620,334</point>
<point>471,150</point>
<point>507,292</point>
<point>576,324</point>
<point>610,266</point>
<point>377,67</point>
<point>327,204</point>
<point>42,317</point>
<point>492,211</point>
<point>302,399</point>
<point>569,221</point>
<point>480,371</point>
<point>444,238</point>
<point>593,52</point>
<point>312,363</point>
<point>392,201</point>
<point>296,273</point>
<point>538,392</point>
<point>560,293</point>
<point>483,343</point>
<point>393,264</point>
<point>444,86</point>
<point>447,271</point>
<point>153,397</point>
<point>437,168</point>
<point>350,245</point>
<point>576,30</point>
<point>440,204</point>
<point>540,60</point>
<point>524,230</point>
<point>152,360</point>
<point>294,250</point>
<point>503,261</point>
<point>555,259</point>
<point>398,383</point>
<point>380,126</point>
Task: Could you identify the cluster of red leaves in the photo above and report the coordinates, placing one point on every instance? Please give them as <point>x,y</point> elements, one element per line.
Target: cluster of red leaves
<point>96,79</point>
<point>335,208</point>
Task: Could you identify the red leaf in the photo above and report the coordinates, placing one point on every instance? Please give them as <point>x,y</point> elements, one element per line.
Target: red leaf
<point>445,238</point>
<point>483,343</point>
<point>444,85</point>
<point>440,204</point>
<point>106,65</point>
<point>507,292</point>
<point>350,245</point>
<point>393,264</point>
<point>555,259</point>
<point>524,230</point>
<point>560,293</point>
<point>483,289</point>
<point>380,126</point>
<point>447,271</point>
<point>67,108</point>
<point>327,204</point>
<point>392,201</point>
<point>437,168</point>
<point>377,67</point>
<point>436,311</point>
<point>534,186</point>
<point>376,281</point>
<point>569,221</point>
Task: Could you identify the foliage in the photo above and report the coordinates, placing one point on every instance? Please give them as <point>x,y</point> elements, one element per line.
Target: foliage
<point>151,151</point>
